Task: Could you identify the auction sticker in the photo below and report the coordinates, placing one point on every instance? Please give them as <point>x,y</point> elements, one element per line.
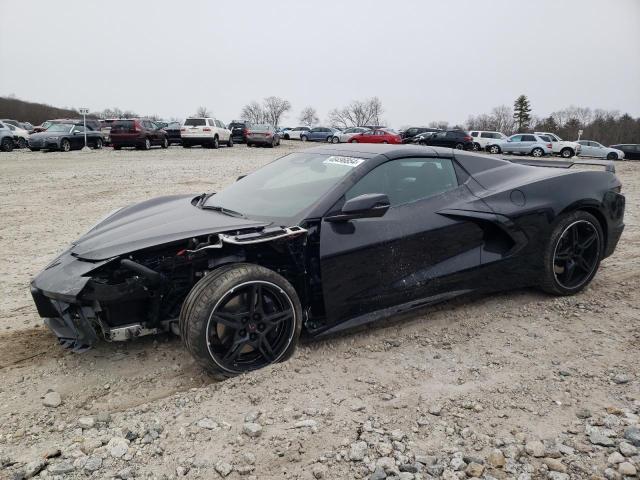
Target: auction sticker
<point>346,161</point>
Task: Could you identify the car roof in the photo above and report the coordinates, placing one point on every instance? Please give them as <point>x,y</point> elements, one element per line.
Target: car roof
<point>370,150</point>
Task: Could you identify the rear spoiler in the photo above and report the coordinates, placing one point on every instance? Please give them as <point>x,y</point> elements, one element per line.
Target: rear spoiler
<point>608,165</point>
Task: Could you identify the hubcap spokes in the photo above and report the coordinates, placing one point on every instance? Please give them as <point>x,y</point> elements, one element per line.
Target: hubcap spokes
<point>251,326</point>
<point>576,254</point>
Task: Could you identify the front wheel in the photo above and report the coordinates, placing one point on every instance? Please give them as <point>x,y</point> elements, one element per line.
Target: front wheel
<point>286,136</point>
<point>459,146</point>
<point>612,156</point>
<point>573,253</point>
<point>494,149</point>
<point>537,152</point>
<point>216,143</point>
<point>230,142</point>
<point>22,143</point>
<point>476,146</point>
<point>147,144</point>
<point>98,144</point>
<point>354,141</point>
<point>165,143</point>
<point>303,138</point>
<point>65,145</point>
<point>7,144</point>
<point>240,318</point>
<point>335,140</point>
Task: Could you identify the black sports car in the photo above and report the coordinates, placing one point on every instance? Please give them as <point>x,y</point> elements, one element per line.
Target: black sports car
<point>329,238</point>
<point>65,137</point>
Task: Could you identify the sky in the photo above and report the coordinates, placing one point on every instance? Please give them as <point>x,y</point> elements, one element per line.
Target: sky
<point>426,60</point>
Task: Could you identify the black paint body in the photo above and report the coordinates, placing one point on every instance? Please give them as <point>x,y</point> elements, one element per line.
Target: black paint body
<point>484,235</point>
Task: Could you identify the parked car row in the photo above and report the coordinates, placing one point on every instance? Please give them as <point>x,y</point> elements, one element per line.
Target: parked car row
<point>208,132</point>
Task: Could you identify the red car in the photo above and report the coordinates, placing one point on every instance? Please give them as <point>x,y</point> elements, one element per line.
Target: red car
<point>377,135</point>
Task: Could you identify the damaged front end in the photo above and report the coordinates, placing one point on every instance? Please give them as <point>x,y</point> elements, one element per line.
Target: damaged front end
<point>141,293</point>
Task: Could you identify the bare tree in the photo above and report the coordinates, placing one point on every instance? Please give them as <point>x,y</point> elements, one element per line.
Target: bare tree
<point>357,114</point>
<point>441,124</point>
<point>274,108</point>
<point>203,112</point>
<point>308,116</point>
<point>253,113</point>
<point>502,118</point>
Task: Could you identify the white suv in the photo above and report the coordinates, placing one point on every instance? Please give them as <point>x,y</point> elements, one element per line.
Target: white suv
<point>561,147</point>
<point>489,141</point>
<point>207,132</point>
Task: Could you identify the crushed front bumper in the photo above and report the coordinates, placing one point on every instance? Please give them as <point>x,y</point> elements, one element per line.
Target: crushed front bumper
<point>56,293</point>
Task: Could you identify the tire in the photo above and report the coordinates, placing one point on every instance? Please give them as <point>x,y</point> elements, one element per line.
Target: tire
<point>98,144</point>
<point>566,153</point>
<point>230,142</point>
<point>186,145</point>
<point>272,144</point>
<point>303,138</point>
<point>612,156</point>
<point>495,149</point>
<point>7,144</point>
<point>559,277</point>
<point>117,147</point>
<point>147,144</point>
<point>22,143</point>
<point>65,145</point>
<point>422,142</point>
<point>249,144</point>
<point>216,143</point>
<point>204,329</point>
<point>476,147</point>
<point>286,136</point>
<point>459,146</point>
<point>353,140</point>
<point>537,152</point>
<point>34,149</point>
<point>335,140</point>
<point>165,143</point>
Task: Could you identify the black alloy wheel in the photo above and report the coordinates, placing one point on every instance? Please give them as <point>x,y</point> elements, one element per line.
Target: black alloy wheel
<point>22,143</point>
<point>165,143</point>
<point>577,254</point>
<point>98,144</point>
<point>240,318</point>
<point>459,146</point>
<point>612,156</point>
<point>65,146</point>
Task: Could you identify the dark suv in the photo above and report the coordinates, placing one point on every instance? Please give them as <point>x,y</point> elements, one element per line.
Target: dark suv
<point>450,138</point>
<point>137,132</point>
<point>239,130</point>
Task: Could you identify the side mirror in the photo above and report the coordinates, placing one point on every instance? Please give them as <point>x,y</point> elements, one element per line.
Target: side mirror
<point>369,205</point>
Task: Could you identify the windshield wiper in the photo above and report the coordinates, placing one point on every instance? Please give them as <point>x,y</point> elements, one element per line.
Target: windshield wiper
<point>203,198</point>
<point>226,211</point>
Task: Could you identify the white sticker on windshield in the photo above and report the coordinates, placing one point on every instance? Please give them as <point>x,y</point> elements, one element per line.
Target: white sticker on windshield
<point>346,161</point>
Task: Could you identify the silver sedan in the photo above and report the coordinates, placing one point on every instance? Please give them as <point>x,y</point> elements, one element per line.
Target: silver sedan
<point>345,135</point>
<point>591,148</point>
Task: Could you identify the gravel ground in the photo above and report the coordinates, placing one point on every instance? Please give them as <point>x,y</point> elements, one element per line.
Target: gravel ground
<point>519,385</point>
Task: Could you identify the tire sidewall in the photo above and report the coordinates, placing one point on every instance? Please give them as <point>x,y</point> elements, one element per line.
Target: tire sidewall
<point>207,293</point>
<point>549,282</point>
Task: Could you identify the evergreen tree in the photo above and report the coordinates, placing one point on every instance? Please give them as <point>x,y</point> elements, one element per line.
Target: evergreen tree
<point>522,112</point>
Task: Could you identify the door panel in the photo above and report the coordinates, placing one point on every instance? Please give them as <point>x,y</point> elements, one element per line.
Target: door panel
<point>375,263</point>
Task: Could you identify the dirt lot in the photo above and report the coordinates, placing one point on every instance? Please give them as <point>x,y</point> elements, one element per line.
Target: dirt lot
<point>519,385</point>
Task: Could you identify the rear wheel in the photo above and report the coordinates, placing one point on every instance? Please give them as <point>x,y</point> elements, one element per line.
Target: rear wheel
<point>249,144</point>
<point>147,144</point>
<point>353,141</point>
<point>335,140</point>
<point>476,146</point>
<point>566,153</point>
<point>230,142</point>
<point>494,149</point>
<point>22,143</point>
<point>216,142</point>
<point>98,144</point>
<point>240,318</point>
<point>459,146</point>
<point>165,143</point>
<point>7,144</point>
<point>573,254</point>
<point>612,156</point>
<point>537,152</point>
<point>117,147</point>
<point>65,145</point>
<point>303,138</point>
<point>34,149</point>
<point>286,136</point>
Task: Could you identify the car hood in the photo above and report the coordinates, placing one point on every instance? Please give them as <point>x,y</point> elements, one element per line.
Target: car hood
<point>46,134</point>
<point>154,222</point>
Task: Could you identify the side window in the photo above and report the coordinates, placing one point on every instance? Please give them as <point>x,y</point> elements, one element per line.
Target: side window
<point>407,180</point>
<point>484,135</point>
<point>528,138</point>
<point>210,123</point>
<point>516,138</point>
<point>475,134</point>
<point>220,124</point>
